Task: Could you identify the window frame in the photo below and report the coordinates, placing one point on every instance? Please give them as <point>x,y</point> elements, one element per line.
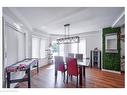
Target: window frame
<point>39,48</point>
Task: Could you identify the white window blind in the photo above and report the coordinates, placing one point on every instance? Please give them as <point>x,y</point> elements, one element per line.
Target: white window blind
<point>21,46</point>
<point>15,45</point>
<point>42,48</point>
<point>38,47</point>
<point>14,49</point>
<point>12,45</point>
<point>35,47</point>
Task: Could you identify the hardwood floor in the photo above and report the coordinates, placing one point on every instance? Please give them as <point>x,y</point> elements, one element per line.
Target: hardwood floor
<point>95,78</point>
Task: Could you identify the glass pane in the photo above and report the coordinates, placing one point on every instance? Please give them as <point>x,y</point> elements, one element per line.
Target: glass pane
<point>61,49</point>
<point>42,48</point>
<point>82,48</point>
<point>35,47</point>
<point>55,48</point>
<point>74,48</point>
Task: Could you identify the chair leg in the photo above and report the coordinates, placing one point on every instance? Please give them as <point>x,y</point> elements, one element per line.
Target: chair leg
<point>71,77</point>
<point>55,75</point>
<point>84,72</point>
<point>64,77</point>
<point>67,78</point>
<point>77,83</point>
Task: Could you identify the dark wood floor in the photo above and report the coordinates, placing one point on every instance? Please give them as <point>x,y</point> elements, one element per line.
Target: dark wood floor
<point>95,78</point>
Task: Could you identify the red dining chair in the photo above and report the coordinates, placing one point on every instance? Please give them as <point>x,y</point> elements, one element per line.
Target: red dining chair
<point>59,66</point>
<point>72,69</point>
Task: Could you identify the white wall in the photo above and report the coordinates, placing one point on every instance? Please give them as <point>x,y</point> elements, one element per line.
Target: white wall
<point>92,41</point>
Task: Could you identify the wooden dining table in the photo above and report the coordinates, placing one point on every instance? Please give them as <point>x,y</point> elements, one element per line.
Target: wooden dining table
<point>82,66</point>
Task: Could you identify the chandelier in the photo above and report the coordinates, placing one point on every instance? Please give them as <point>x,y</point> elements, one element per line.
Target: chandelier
<point>67,39</point>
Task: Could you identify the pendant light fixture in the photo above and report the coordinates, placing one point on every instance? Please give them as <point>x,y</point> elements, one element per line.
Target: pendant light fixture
<point>67,39</point>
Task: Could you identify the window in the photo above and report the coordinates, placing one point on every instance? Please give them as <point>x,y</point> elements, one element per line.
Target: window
<point>61,49</point>
<point>38,47</point>
<point>55,48</point>
<point>14,49</point>
<point>35,47</point>
<point>14,45</point>
<point>42,48</point>
<point>74,48</point>
<point>21,46</point>
<point>82,47</point>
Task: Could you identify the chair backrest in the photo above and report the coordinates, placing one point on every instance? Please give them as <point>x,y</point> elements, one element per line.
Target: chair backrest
<point>72,68</point>
<point>59,63</point>
<point>71,55</point>
<point>79,57</point>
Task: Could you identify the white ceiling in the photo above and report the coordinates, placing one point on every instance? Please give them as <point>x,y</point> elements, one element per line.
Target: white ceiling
<point>81,19</point>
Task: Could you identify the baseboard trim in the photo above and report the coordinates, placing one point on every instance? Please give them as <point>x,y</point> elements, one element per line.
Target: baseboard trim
<point>118,72</point>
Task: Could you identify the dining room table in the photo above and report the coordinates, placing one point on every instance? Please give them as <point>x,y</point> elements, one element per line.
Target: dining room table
<point>82,67</point>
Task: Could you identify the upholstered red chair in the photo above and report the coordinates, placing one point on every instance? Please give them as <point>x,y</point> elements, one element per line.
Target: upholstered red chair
<point>59,66</point>
<point>72,69</point>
